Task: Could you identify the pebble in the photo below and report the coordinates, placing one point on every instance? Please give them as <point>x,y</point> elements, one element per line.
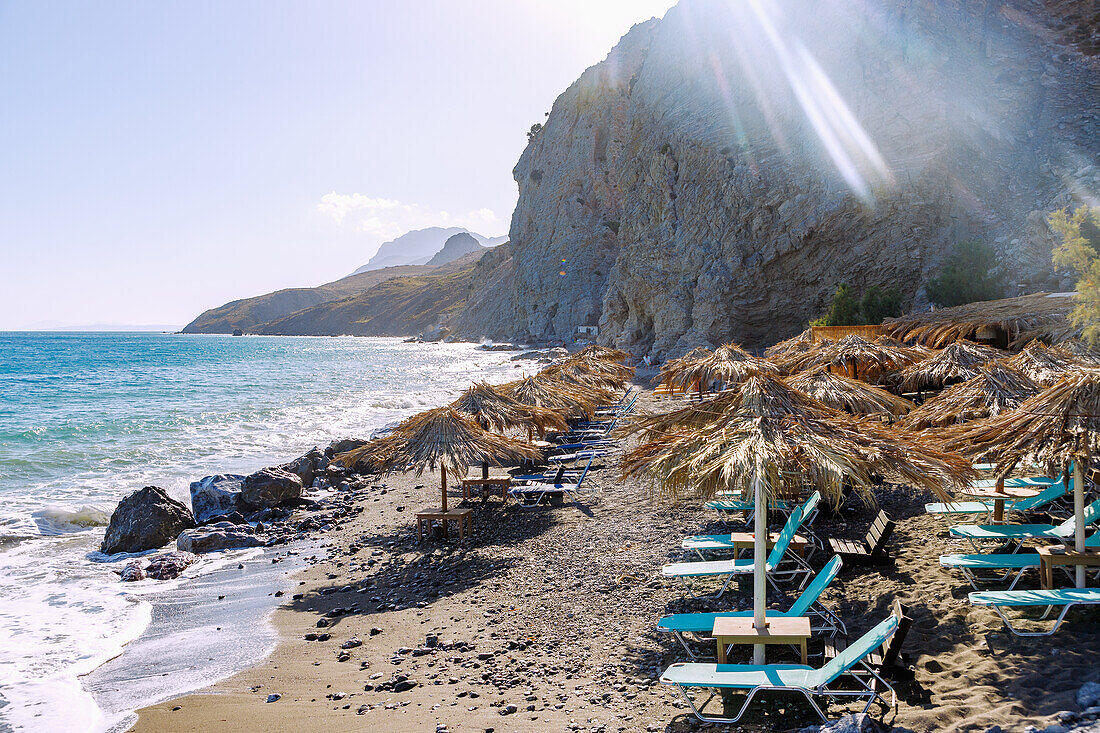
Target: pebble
<point>274,697</point>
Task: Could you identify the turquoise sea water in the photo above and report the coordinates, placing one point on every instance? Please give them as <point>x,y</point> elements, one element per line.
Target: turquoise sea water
<point>86,418</point>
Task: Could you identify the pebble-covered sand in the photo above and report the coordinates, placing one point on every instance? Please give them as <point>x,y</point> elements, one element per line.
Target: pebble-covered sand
<point>544,621</point>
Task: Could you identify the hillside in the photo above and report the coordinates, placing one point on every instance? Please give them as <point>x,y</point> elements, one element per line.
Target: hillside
<point>421,245</point>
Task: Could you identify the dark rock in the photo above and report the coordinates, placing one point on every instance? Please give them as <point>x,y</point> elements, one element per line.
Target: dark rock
<point>273,697</point>
<point>375,631</point>
<point>270,487</point>
<point>352,643</point>
<point>508,709</point>
<point>858,723</point>
<point>145,520</point>
<point>404,685</point>
<point>170,566</point>
<point>343,446</point>
<point>1088,695</point>
<point>133,572</point>
<point>218,536</point>
<point>215,496</point>
<point>302,467</point>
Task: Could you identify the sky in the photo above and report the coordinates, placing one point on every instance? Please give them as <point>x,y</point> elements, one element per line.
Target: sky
<point>158,159</point>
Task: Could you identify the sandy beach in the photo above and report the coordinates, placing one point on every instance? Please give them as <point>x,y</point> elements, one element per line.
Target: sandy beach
<point>545,621</point>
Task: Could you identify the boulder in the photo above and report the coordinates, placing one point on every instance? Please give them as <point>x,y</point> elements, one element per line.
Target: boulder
<point>1088,695</point>
<point>343,446</point>
<point>145,520</point>
<point>858,723</point>
<point>168,567</point>
<point>215,496</point>
<point>303,468</point>
<point>270,487</point>
<point>217,536</point>
<point>132,572</point>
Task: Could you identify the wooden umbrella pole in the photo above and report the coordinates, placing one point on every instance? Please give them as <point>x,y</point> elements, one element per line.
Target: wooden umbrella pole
<point>760,544</point>
<point>1079,516</point>
<point>443,475</point>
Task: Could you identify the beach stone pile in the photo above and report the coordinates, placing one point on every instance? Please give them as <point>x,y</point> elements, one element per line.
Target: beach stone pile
<point>145,520</point>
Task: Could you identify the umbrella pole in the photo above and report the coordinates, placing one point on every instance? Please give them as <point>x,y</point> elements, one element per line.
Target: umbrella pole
<point>443,476</point>
<point>760,544</point>
<point>484,471</point>
<point>1079,518</point>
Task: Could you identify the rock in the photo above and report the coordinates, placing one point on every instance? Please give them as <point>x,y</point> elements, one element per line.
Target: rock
<point>215,496</point>
<point>508,709</point>
<point>270,487</point>
<point>375,631</point>
<point>302,467</point>
<point>404,685</point>
<point>145,520</point>
<point>858,723</point>
<point>343,446</point>
<point>217,536</point>
<point>1088,695</point>
<point>132,572</point>
<point>168,567</point>
<point>274,697</point>
<point>352,643</point>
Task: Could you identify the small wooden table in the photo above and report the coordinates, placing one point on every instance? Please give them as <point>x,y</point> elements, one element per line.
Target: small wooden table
<point>1052,555</point>
<point>747,541</point>
<point>999,494</point>
<point>426,518</point>
<point>729,630</point>
<point>500,482</point>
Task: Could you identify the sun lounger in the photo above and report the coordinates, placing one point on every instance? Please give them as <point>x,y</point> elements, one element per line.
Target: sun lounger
<point>978,534</point>
<point>822,620</point>
<point>729,569</point>
<point>810,682</point>
<point>530,495</point>
<point>870,550</point>
<point>888,660</point>
<point>1049,494</point>
<point>1003,563</point>
<point>705,543</point>
<point>1066,598</point>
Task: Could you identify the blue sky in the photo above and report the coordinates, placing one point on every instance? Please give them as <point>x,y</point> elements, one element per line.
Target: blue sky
<point>161,158</point>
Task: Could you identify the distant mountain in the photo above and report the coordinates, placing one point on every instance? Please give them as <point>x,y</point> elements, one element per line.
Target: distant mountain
<point>418,246</point>
<point>457,246</point>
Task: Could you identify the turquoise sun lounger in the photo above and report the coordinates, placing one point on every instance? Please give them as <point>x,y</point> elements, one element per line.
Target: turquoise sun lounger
<point>704,543</point>
<point>1051,493</point>
<point>729,569</point>
<point>810,682</point>
<point>1002,563</point>
<point>987,533</point>
<point>822,620</point>
<point>1066,598</point>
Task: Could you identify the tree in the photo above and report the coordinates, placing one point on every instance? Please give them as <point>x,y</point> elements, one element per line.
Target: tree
<point>966,276</point>
<point>1079,252</point>
<point>844,310</point>
<point>877,304</point>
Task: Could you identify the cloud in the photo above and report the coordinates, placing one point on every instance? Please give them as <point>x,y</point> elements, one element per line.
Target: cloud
<point>388,218</point>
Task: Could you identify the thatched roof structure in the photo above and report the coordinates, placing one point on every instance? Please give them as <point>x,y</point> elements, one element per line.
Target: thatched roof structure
<point>606,353</point>
<point>802,356</point>
<point>540,391</point>
<point>869,358</point>
<point>956,362</point>
<point>768,428</point>
<point>996,388</point>
<point>728,363</point>
<point>849,395</point>
<point>1080,351</point>
<point>591,364</point>
<point>675,366</point>
<point>796,344</point>
<point>370,458</point>
<point>1042,364</point>
<point>1052,428</point>
<point>586,375</point>
<point>1015,321</point>
<point>494,410</point>
<point>447,438</point>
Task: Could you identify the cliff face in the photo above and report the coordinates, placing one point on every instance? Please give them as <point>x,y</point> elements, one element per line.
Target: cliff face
<point>726,167</point>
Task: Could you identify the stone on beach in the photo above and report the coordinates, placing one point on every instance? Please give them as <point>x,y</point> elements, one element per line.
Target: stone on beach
<point>132,572</point>
<point>218,536</point>
<point>170,566</point>
<point>215,496</point>
<point>270,487</point>
<point>305,466</point>
<point>145,520</point>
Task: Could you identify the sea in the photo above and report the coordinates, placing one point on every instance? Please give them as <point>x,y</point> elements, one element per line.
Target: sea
<point>87,418</point>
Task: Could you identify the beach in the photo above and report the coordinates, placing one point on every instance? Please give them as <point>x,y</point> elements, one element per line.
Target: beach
<point>545,620</point>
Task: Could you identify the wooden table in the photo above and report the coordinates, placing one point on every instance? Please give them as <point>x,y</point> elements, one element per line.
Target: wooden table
<point>747,541</point>
<point>1052,555</point>
<point>999,494</point>
<point>426,518</point>
<point>729,630</point>
<point>501,482</point>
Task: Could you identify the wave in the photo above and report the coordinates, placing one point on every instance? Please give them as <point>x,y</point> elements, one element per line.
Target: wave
<point>56,520</point>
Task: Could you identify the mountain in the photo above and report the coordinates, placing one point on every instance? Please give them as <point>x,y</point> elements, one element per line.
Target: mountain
<point>459,245</point>
<point>419,246</point>
<point>725,168</point>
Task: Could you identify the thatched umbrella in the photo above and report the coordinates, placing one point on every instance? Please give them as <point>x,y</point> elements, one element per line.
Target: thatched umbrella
<point>605,353</point>
<point>671,369</point>
<point>856,355</point>
<point>1057,427</point>
<point>1042,364</point>
<point>749,438</point>
<point>585,375</point>
<point>850,395</point>
<point>794,344</point>
<point>801,356</point>
<point>538,390</point>
<point>955,363</point>
<point>1078,350</point>
<point>995,389</point>
<point>449,439</point>
<point>728,363</point>
<point>588,363</point>
<point>371,457</point>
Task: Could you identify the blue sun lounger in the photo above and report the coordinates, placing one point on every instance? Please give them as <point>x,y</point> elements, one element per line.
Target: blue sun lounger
<point>978,534</point>
<point>822,620</point>
<point>703,543</point>
<point>1067,598</point>
<point>1052,492</point>
<point>530,495</point>
<point>811,683</point>
<point>729,569</point>
<point>1002,563</point>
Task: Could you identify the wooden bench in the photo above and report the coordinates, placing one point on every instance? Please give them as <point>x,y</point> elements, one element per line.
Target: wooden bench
<point>870,550</point>
<point>485,484</point>
<point>888,660</point>
<point>426,518</point>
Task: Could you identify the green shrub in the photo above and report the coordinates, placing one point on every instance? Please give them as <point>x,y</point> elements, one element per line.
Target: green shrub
<point>877,305</point>
<point>966,276</point>
<point>848,310</point>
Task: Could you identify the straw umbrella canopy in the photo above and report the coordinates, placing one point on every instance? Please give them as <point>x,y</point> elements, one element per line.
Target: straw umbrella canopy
<point>871,358</point>
<point>606,353</point>
<point>1042,364</point>
<point>801,356</point>
<point>446,438</point>
<point>671,369</point>
<point>1079,350</point>
<point>1057,427</point>
<point>996,388</point>
<point>599,366</point>
<point>541,391</point>
<point>371,457</point>
<point>795,344</point>
<point>748,439</point>
<point>849,395</point>
<point>728,363</point>
<point>584,375</point>
<point>495,410</point>
<point>955,363</point>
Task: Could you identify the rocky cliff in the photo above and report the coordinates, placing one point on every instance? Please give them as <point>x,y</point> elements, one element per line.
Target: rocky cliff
<point>727,166</point>
<point>459,245</point>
